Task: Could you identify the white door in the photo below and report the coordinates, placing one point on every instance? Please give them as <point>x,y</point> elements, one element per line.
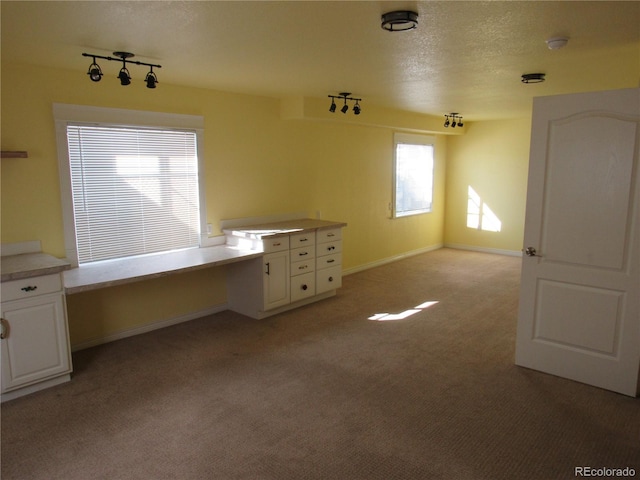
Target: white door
<point>579,315</point>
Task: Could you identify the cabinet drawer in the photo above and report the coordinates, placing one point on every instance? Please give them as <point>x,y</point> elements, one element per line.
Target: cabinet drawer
<point>303,239</point>
<point>327,261</point>
<point>328,279</point>
<point>303,253</point>
<point>30,287</point>
<point>328,235</point>
<point>303,286</point>
<point>328,248</point>
<point>304,266</point>
<point>275,244</point>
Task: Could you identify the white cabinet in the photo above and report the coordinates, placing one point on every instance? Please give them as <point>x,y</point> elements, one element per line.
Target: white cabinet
<point>35,340</point>
<point>300,266</point>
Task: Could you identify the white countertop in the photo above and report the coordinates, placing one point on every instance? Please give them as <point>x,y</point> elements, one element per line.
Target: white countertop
<point>117,272</point>
<point>27,265</point>
<point>281,228</point>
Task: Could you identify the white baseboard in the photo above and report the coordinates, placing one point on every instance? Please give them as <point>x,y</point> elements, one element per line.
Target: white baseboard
<point>395,258</point>
<point>149,327</point>
<point>498,251</point>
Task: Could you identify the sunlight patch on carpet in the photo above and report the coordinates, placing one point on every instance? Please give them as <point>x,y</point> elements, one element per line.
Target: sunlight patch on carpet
<point>384,317</point>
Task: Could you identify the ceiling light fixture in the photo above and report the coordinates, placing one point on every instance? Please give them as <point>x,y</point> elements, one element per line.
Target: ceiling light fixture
<point>533,78</point>
<point>556,43</point>
<point>399,21</point>
<point>151,79</point>
<point>95,73</point>
<point>345,96</point>
<point>457,120</point>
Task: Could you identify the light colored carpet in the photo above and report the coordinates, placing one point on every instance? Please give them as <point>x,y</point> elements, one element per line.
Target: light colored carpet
<point>322,392</point>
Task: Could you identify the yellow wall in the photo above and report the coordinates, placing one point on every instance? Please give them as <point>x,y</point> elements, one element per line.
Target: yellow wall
<point>493,158</point>
<point>256,163</point>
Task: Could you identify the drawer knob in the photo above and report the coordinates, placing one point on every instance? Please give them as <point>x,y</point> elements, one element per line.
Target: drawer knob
<point>331,279</point>
<point>29,288</point>
<point>304,287</point>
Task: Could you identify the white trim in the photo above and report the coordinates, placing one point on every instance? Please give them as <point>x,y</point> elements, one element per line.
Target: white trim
<point>497,251</point>
<point>35,387</point>
<point>149,327</point>
<point>384,261</point>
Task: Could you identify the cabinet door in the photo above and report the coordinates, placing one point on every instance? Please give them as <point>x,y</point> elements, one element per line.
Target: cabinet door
<point>36,346</point>
<point>275,279</point>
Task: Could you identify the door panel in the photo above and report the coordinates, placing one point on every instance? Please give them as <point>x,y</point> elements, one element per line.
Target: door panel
<point>589,186</point>
<point>579,313</point>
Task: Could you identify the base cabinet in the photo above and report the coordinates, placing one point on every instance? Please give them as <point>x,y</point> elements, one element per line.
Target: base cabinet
<point>296,269</point>
<point>35,341</point>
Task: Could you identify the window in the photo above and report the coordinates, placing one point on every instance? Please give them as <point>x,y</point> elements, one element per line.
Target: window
<point>413,174</point>
<point>129,189</point>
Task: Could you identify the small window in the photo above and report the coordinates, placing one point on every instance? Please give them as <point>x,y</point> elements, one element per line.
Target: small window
<point>413,174</point>
<point>128,189</point>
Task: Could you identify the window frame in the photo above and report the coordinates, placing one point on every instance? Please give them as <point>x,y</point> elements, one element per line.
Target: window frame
<point>65,114</point>
<point>412,139</point>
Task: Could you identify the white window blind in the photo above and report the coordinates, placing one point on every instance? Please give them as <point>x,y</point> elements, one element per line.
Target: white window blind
<point>135,190</point>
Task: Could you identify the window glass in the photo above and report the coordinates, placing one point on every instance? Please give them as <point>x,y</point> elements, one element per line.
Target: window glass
<point>413,174</point>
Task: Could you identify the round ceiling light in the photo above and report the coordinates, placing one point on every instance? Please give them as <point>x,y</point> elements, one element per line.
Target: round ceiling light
<point>399,21</point>
<point>556,43</point>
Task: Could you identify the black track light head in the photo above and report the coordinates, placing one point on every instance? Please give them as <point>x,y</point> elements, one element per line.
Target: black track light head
<point>125,78</point>
<point>151,79</point>
<point>356,109</point>
<point>95,74</point>
<point>333,106</point>
<point>446,122</point>
<point>345,107</point>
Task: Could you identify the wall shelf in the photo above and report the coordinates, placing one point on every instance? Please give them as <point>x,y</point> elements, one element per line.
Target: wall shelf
<point>13,154</point>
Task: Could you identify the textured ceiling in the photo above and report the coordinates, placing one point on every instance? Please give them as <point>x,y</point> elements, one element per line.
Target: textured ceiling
<point>464,56</point>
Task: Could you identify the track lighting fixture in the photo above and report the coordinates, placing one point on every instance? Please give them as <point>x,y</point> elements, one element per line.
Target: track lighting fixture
<point>345,96</point>
<point>95,73</point>
<point>456,120</point>
<point>399,21</point>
